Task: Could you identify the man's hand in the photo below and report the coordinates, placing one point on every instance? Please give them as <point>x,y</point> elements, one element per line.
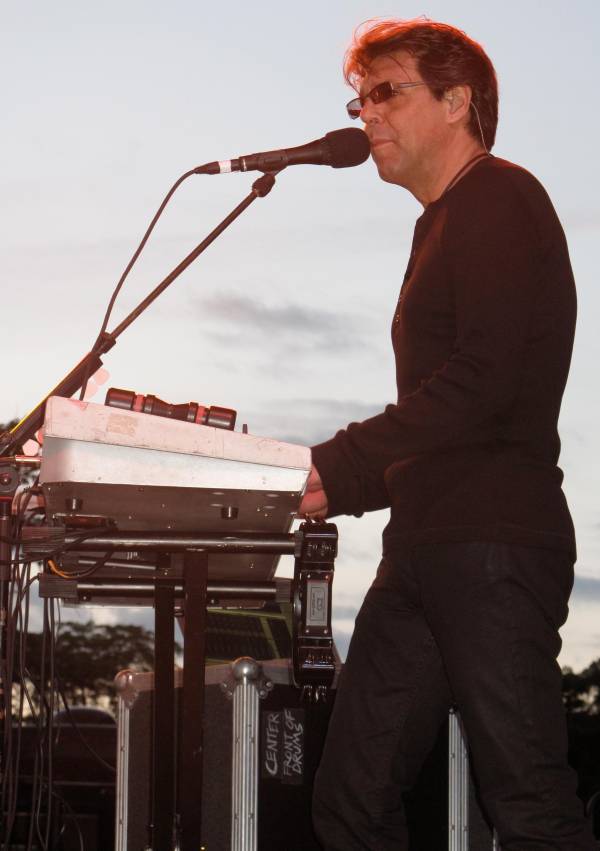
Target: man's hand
<point>314,502</point>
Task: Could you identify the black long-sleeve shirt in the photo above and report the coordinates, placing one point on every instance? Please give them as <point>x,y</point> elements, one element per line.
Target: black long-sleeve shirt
<point>482,338</point>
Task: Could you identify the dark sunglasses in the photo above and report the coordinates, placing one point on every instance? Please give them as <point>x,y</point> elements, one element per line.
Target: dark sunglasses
<point>378,94</point>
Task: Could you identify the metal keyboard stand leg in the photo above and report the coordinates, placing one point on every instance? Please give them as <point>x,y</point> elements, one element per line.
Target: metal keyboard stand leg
<point>458,788</point>
<point>191,740</point>
<point>187,803</point>
<point>163,727</point>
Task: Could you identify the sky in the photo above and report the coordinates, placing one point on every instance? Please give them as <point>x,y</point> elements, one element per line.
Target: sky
<point>286,317</point>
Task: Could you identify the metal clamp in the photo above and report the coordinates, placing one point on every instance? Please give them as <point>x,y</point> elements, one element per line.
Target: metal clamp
<point>313,654</point>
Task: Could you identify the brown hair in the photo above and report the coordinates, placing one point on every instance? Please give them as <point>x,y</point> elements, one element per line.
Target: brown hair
<point>445,56</point>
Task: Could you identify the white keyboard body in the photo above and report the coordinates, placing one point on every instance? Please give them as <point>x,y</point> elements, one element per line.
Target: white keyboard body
<point>146,473</point>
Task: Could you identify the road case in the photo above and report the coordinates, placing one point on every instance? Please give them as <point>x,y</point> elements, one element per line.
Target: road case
<point>262,747</point>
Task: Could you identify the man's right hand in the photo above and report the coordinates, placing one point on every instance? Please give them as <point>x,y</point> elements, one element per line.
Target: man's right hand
<point>314,502</point>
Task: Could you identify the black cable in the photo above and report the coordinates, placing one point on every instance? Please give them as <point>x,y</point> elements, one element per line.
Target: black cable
<point>23,620</point>
<point>18,616</point>
<point>42,790</point>
<point>61,692</point>
<point>26,494</point>
<point>62,547</point>
<point>67,574</point>
<point>76,727</point>
<point>44,743</point>
<point>37,803</point>
<point>36,775</point>
<point>30,559</point>
<point>129,267</point>
<point>50,722</point>
<point>27,586</point>
<point>8,795</point>
<point>37,760</point>
<point>9,780</point>
<point>73,816</point>
<point>21,592</point>
<point>17,541</point>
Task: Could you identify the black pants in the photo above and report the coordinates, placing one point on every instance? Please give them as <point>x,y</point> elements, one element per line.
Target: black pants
<point>475,625</point>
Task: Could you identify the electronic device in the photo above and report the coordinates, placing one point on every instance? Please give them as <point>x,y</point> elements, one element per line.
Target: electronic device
<point>135,471</point>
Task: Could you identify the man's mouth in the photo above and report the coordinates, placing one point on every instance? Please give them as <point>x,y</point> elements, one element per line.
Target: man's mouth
<point>377,143</point>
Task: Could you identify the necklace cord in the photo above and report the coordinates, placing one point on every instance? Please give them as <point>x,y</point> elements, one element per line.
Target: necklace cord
<point>462,170</point>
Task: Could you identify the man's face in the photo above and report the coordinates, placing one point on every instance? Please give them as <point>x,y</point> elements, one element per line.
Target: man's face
<point>408,132</point>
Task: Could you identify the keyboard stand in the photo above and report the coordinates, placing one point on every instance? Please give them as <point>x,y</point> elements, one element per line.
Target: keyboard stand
<point>182,571</point>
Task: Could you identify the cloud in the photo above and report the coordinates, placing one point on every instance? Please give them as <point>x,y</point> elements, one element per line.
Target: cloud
<point>293,324</point>
<point>586,589</point>
<point>309,421</point>
<point>247,311</point>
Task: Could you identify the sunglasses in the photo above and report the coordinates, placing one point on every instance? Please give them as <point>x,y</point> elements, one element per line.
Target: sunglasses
<point>378,94</point>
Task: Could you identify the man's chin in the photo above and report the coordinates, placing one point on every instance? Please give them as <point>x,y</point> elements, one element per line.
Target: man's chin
<point>386,171</point>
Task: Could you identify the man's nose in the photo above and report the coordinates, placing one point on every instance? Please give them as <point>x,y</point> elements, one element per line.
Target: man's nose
<point>369,112</point>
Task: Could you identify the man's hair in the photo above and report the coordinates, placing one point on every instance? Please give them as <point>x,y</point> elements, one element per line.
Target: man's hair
<point>445,56</point>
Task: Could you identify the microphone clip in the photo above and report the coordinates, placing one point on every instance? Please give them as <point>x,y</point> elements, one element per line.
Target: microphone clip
<point>263,184</point>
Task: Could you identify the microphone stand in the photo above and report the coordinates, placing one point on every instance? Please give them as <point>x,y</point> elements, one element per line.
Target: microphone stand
<point>28,426</point>
<point>91,362</point>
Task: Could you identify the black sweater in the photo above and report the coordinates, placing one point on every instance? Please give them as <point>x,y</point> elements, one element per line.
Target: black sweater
<point>482,339</point>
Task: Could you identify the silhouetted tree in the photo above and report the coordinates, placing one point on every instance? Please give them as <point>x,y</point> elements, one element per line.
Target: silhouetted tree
<point>87,656</point>
<point>581,692</point>
<point>7,427</point>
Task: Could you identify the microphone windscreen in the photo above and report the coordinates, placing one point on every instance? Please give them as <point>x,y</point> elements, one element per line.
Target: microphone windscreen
<point>348,146</point>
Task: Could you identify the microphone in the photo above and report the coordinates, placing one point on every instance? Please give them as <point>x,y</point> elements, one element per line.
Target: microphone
<point>339,149</point>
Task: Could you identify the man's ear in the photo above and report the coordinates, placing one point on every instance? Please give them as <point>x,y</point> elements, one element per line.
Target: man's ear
<point>458,100</point>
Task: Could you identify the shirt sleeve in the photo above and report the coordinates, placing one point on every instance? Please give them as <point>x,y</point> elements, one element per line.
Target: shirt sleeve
<point>493,263</point>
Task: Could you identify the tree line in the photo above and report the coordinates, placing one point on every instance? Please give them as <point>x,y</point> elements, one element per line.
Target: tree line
<point>89,655</point>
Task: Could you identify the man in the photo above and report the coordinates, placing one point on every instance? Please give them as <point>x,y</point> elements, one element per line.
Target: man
<point>478,556</point>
